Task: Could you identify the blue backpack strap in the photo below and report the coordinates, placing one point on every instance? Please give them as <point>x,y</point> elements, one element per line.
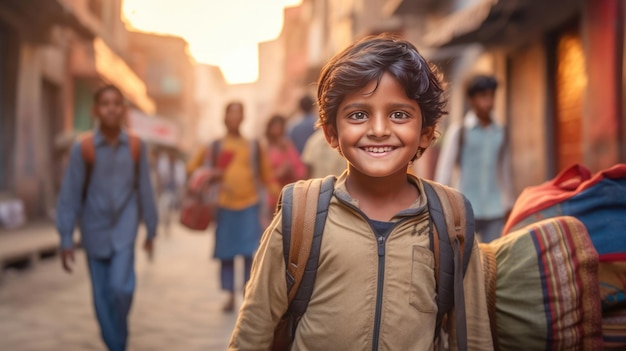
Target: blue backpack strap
<point>298,305</point>
<point>450,269</point>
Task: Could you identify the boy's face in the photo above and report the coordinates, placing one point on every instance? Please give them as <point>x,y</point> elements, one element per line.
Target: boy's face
<point>380,132</point>
<point>482,103</point>
<point>110,109</point>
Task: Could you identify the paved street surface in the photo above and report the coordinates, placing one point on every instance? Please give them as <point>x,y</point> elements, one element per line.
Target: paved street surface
<point>177,303</point>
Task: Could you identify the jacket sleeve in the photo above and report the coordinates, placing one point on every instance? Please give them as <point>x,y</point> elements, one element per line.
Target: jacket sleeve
<point>265,300</point>
<point>149,212</point>
<point>70,202</point>
<point>477,316</point>
<point>448,155</point>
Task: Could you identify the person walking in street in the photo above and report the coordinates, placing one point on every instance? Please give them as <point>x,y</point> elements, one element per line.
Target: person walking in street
<point>320,159</point>
<point>375,285</point>
<point>171,177</point>
<point>283,156</point>
<point>107,190</point>
<point>304,128</point>
<point>240,166</point>
<point>477,147</point>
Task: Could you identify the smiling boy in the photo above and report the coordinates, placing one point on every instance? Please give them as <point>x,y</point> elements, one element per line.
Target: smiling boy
<point>375,287</point>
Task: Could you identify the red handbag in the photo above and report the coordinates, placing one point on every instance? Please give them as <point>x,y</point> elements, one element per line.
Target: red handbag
<point>200,201</point>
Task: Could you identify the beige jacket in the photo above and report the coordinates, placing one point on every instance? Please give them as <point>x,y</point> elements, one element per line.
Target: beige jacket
<point>361,300</point>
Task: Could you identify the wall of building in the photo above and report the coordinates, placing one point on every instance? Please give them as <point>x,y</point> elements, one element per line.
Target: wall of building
<point>164,63</point>
<point>32,71</point>
<point>528,122</point>
<point>601,121</point>
<point>211,99</point>
<point>8,76</point>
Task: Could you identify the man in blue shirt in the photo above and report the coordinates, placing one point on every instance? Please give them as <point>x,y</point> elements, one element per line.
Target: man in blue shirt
<point>305,127</point>
<point>107,190</point>
<point>478,148</point>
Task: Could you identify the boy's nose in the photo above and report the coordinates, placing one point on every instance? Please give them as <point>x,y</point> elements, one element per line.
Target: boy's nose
<point>379,126</point>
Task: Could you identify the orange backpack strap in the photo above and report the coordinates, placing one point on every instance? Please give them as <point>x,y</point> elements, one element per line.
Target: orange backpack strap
<point>134,143</point>
<point>88,148</point>
<point>88,151</point>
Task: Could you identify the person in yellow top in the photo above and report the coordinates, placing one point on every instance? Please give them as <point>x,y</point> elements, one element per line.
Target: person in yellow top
<point>240,168</point>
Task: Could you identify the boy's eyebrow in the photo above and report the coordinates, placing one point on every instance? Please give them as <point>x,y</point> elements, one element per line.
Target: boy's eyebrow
<point>356,105</point>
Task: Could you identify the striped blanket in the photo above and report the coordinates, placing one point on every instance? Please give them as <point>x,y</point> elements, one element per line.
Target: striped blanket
<point>542,288</point>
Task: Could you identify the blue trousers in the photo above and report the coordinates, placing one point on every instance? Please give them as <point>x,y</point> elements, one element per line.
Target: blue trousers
<point>227,273</point>
<point>113,285</point>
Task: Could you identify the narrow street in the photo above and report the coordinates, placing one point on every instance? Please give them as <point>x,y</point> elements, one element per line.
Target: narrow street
<point>177,304</point>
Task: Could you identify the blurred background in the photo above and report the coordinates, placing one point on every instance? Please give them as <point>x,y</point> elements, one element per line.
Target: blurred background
<point>560,65</point>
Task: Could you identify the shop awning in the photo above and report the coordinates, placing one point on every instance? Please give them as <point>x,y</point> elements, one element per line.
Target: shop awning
<point>501,22</point>
<point>461,27</point>
<point>114,69</point>
<point>154,129</point>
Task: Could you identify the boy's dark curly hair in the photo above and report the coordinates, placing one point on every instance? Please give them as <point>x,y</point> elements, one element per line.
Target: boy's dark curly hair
<point>369,59</point>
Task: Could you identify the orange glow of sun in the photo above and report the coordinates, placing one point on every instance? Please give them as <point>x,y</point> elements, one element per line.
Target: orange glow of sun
<point>221,33</point>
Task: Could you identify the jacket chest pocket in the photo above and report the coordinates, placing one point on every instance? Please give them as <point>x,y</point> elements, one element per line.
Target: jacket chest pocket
<point>422,293</point>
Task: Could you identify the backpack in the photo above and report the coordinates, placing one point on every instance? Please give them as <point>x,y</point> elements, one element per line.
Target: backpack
<point>88,151</point>
<point>304,206</point>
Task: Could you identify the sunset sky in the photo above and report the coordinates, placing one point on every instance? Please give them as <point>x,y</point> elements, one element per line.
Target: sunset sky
<point>222,33</point>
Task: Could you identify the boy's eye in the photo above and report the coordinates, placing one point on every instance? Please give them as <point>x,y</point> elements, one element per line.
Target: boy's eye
<point>357,116</point>
<point>399,115</point>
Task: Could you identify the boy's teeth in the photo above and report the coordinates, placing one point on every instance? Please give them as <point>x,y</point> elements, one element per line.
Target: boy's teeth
<point>378,149</point>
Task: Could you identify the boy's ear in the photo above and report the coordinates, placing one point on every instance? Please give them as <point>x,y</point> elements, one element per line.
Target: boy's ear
<point>331,135</point>
<point>427,136</point>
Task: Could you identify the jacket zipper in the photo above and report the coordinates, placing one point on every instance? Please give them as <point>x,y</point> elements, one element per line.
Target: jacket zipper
<point>379,290</point>
<point>381,241</point>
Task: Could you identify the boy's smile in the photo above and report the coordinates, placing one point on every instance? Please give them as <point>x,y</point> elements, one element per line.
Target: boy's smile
<point>379,128</point>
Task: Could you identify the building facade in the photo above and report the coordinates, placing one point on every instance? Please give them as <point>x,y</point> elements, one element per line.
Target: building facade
<point>55,54</point>
<point>163,62</point>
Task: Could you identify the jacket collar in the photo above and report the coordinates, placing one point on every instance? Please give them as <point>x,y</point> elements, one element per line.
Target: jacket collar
<point>418,207</point>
